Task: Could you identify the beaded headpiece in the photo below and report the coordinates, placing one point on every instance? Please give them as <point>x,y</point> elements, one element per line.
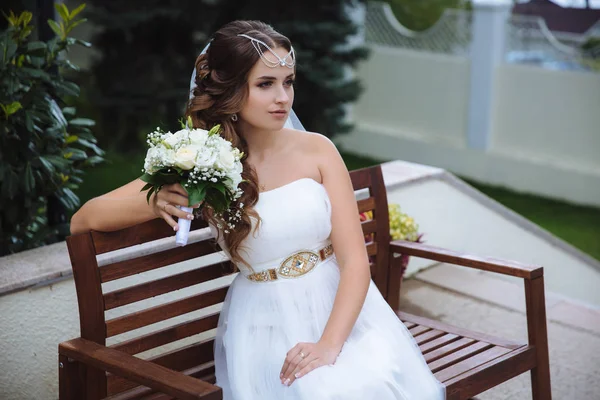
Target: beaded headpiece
<point>270,63</point>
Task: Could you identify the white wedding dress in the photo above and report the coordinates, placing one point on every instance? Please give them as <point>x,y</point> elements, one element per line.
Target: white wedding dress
<point>261,321</point>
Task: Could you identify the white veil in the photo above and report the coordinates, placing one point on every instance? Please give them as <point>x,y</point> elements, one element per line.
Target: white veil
<point>292,121</point>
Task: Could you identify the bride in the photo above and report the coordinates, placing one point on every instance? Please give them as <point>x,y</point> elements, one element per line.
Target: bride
<point>302,319</point>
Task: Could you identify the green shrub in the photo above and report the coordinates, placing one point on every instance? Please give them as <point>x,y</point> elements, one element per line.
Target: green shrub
<point>44,147</point>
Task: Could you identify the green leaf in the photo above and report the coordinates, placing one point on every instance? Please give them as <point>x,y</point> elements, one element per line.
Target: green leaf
<point>150,179</point>
<point>82,122</point>
<point>11,108</point>
<point>68,64</point>
<point>47,165</point>
<point>76,154</point>
<point>220,187</point>
<point>214,130</point>
<point>36,48</point>
<point>54,26</point>
<point>149,194</point>
<point>63,11</point>
<point>68,88</point>
<point>75,24</point>
<point>29,180</point>
<point>94,160</point>
<point>196,194</point>
<point>71,138</point>
<point>77,11</point>
<point>91,146</point>
<point>58,161</point>
<point>34,73</point>
<point>83,43</point>
<point>9,51</point>
<point>57,114</point>
<point>68,198</point>
<point>69,111</point>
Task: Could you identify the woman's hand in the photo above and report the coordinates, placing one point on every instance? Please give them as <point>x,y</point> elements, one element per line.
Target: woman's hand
<point>304,357</point>
<point>165,202</point>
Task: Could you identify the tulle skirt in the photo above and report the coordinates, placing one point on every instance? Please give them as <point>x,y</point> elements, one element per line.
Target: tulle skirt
<point>261,321</point>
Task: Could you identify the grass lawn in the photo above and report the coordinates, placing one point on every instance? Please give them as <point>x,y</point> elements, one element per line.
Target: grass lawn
<point>575,224</point>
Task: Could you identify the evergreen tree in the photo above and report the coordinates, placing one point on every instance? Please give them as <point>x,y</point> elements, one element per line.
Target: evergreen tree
<point>148,50</point>
<point>141,79</point>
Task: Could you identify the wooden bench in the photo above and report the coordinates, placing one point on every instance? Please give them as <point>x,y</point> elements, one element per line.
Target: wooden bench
<point>466,362</point>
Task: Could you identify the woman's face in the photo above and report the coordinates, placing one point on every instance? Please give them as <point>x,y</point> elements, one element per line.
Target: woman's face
<point>270,94</point>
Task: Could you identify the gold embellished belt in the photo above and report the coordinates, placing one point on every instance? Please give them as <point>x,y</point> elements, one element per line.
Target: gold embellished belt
<point>293,266</point>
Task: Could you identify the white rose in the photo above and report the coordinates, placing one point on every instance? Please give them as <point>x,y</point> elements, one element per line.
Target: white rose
<point>183,135</point>
<point>170,141</point>
<point>198,137</point>
<point>226,160</point>
<point>185,157</point>
<point>206,158</point>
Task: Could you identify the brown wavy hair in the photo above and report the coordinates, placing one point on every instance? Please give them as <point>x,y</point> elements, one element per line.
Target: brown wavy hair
<point>221,91</point>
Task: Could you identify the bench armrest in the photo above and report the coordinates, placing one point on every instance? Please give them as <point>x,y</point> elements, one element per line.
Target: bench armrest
<point>140,371</point>
<point>505,267</point>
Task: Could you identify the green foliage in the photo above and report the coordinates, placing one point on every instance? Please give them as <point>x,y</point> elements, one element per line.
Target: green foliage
<point>44,146</point>
<point>149,48</point>
<point>419,15</point>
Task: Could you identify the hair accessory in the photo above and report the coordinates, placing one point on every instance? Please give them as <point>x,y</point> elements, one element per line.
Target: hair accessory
<point>270,63</point>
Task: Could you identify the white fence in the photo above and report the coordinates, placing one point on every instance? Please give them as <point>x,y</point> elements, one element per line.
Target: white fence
<point>529,128</point>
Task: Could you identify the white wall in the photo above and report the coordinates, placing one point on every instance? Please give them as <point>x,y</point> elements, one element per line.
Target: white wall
<point>552,116</point>
<point>424,96</point>
<point>545,125</point>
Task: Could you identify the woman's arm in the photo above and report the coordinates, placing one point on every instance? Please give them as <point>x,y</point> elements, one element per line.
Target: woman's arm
<point>349,247</point>
<point>127,206</point>
<point>348,244</point>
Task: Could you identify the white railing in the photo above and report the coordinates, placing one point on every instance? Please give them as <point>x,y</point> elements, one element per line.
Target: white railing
<point>450,35</point>
<point>528,39</point>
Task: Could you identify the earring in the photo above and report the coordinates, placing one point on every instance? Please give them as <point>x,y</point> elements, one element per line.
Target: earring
<point>234,117</point>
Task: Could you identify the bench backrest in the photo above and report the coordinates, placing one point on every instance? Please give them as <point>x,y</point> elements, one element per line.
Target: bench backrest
<point>118,301</point>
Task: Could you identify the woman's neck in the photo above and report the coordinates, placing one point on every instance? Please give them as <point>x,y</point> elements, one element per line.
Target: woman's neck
<point>262,143</point>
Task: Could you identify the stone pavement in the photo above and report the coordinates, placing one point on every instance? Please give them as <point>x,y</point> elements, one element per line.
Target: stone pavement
<point>574,349</point>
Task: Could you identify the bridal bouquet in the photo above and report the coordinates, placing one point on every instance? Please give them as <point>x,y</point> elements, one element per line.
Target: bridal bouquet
<point>207,166</point>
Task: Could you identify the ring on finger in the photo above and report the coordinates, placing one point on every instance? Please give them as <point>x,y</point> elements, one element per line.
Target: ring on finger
<point>302,356</point>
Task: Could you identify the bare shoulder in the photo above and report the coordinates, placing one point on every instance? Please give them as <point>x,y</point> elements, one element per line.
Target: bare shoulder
<point>312,143</point>
<point>321,152</point>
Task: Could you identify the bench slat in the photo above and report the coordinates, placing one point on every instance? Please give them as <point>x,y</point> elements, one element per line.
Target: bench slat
<point>457,356</point>
<point>149,262</point>
<point>448,349</point>
<point>366,204</point>
<point>162,312</point>
<point>439,342</point>
<point>168,335</point>
<point>121,297</point>
<point>429,336</point>
<point>468,362</point>
<point>419,329</point>
<point>155,229</point>
<point>509,344</point>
